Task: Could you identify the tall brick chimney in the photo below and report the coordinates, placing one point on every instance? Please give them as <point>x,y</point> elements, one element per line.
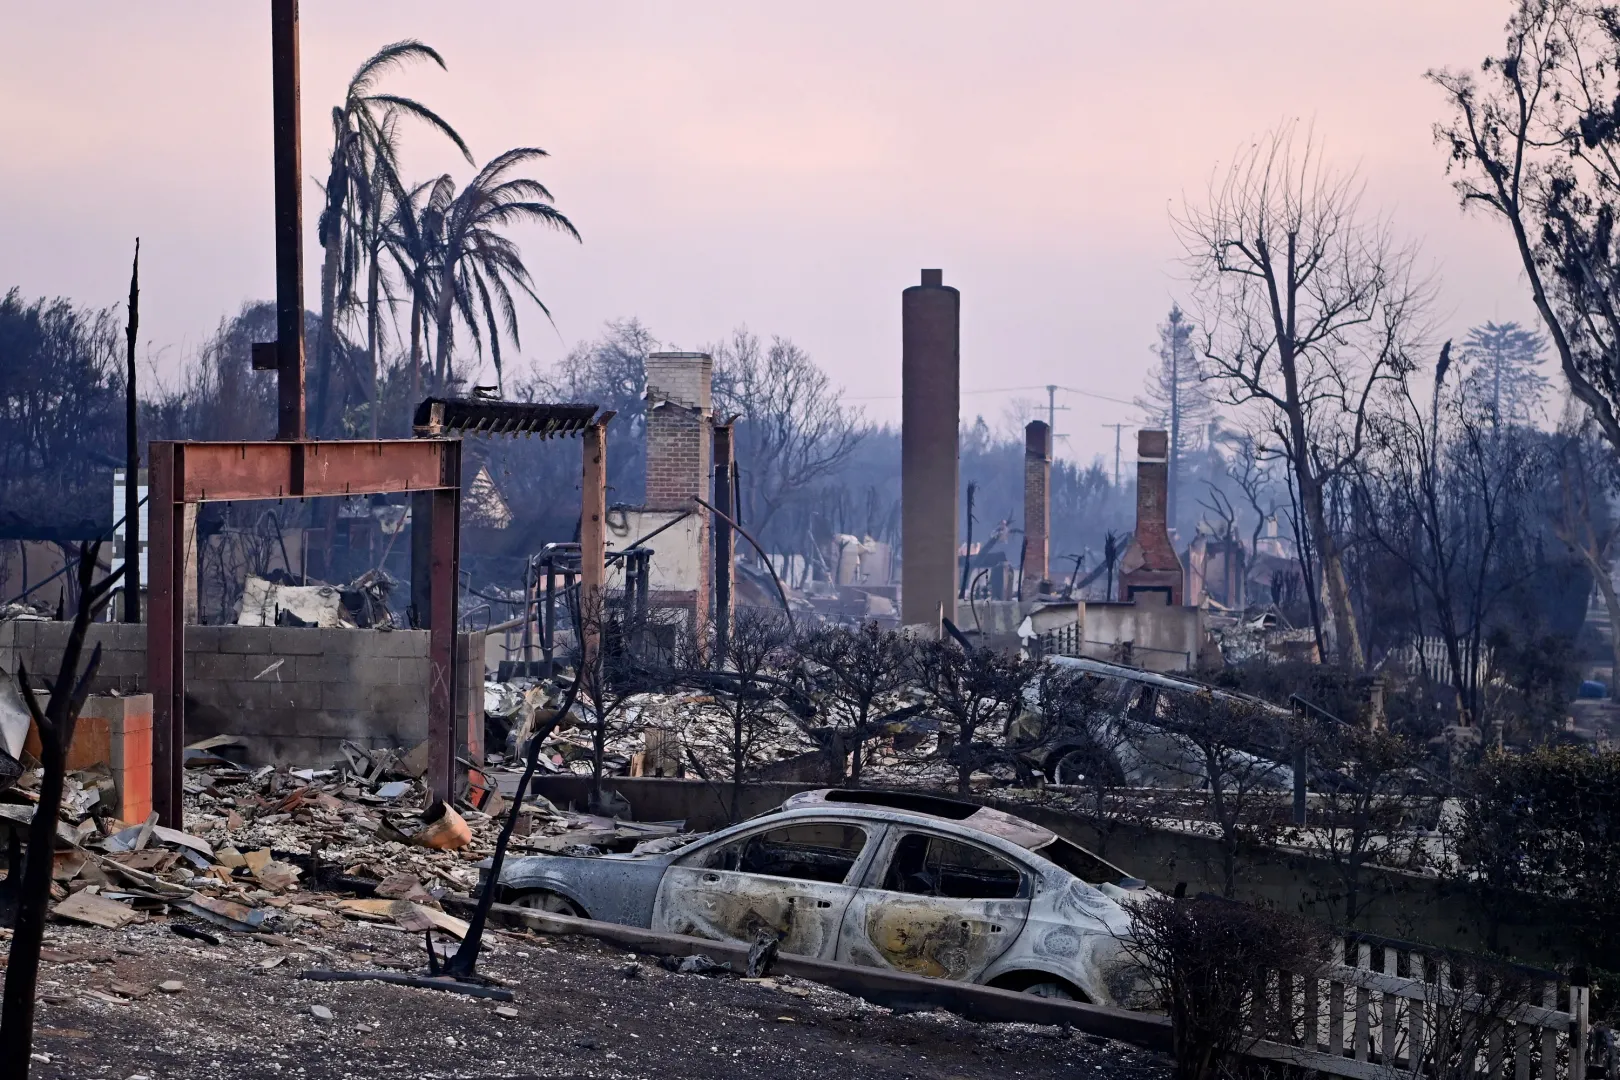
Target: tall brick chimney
<point>930,467</point>
<point>1037,508</point>
<point>1149,568</point>
<point>679,452</point>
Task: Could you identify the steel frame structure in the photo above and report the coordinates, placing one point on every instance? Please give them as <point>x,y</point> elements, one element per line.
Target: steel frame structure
<point>186,473</point>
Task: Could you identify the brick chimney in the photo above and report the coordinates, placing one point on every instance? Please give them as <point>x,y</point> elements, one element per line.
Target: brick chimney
<point>1149,569</point>
<point>930,469</point>
<point>679,452</point>
<point>1037,508</point>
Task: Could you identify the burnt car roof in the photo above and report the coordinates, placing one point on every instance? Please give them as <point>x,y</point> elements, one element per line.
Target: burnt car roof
<point>1026,834</point>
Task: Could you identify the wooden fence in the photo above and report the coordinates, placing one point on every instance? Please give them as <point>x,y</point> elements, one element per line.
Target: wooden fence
<point>1419,1013</point>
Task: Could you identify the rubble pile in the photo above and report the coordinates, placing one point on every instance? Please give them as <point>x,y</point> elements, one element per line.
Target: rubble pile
<point>653,733</point>
<point>271,849</point>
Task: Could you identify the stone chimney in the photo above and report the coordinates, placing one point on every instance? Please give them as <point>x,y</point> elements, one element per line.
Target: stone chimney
<point>679,453</point>
<point>1037,509</point>
<point>1149,569</point>
<point>930,382</point>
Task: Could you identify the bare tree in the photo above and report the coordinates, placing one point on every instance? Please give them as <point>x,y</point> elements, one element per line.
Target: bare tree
<point>980,697</point>
<point>851,672</point>
<point>748,693</point>
<point>1442,493</point>
<point>793,430</point>
<point>1308,307</point>
<point>55,723</point>
<point>1367,813</point>
<point>611,673</point>
<point>1207,959</point>
<point>1228,746</point>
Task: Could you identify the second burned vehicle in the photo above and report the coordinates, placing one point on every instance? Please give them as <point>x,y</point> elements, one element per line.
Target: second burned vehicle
<point>913,883</point>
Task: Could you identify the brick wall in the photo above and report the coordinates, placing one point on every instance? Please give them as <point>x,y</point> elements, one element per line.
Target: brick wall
<point>1150,564</point>
<point>680,452</point>
<point>293,695</point>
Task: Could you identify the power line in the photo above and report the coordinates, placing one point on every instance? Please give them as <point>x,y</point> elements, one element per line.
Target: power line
<point>1000,390</point>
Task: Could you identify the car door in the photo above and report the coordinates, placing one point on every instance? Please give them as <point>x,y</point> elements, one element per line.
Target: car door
<point>794,880</point>
<point>937,906</point>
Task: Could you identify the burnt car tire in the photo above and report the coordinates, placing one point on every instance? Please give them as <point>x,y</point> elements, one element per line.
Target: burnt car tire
<point>550,902</point>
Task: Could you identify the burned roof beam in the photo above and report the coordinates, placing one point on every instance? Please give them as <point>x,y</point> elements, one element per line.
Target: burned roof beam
<point>443,416</point>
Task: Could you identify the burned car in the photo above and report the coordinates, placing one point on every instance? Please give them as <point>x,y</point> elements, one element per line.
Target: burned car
<point>912,883</point>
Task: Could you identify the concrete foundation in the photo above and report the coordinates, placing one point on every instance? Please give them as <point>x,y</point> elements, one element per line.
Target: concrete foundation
<point>930,367</point>
<point>292,695</point>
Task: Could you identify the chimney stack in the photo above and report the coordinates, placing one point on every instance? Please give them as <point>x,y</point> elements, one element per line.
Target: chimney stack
<point>930,369</point>
<point>1150,567</point>
<point>679,410</point>
<point>1037,509</point>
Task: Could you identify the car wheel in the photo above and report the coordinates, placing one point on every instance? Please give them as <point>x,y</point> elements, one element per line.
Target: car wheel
<point>548,901</point>
<point>1050,989</point>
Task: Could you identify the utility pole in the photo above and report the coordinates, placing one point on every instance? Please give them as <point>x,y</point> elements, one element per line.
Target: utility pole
<point>285,355</point>
<point>1117,429</point>
<point>1052,409</point>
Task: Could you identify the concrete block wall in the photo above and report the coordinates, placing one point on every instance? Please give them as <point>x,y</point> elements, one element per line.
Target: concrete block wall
<point>292,694</point>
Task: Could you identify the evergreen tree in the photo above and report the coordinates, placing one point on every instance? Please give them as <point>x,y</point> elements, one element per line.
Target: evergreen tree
<point>1175,397</point>
<point>1505,380</point>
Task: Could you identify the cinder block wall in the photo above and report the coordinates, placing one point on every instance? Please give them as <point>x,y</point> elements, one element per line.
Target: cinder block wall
<point>292,694</point>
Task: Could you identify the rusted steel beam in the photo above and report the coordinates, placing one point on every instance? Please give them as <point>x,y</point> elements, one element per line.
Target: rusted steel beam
<point>592,532</point>
<point>443,559</point>
<point>289,172</point>
<point>166,628</point>
<point>281,470</point>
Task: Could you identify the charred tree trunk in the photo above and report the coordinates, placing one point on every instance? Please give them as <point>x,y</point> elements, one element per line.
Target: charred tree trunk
<point>132,454</point>
<point>55,723</point>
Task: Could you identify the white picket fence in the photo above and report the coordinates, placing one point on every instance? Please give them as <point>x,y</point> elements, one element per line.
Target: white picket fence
<point>1410,1017</point>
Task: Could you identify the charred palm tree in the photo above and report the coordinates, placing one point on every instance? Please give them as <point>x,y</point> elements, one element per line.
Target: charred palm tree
<point>360,138</point>
<point>480,267</point>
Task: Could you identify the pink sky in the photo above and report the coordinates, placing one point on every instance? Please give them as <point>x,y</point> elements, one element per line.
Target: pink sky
<point>790,167</point>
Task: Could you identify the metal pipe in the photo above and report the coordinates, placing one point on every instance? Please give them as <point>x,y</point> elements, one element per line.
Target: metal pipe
<point>780,591</point>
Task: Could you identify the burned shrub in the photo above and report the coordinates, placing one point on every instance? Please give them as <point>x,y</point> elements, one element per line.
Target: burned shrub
<point>1207,959</point>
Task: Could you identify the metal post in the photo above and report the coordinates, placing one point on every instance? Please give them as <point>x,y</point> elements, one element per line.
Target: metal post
<point>166,629</point>
<point>548,621</point>
<point>289,172</point>
<point>725,568</point>
<point>592,537</point>
<point>1302,765</point>
<point>442,598</point>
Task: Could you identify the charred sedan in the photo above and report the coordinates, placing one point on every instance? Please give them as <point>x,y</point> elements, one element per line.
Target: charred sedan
<point>912,883</point>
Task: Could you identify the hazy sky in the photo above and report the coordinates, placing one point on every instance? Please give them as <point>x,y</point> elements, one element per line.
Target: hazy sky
<point>787,166</point>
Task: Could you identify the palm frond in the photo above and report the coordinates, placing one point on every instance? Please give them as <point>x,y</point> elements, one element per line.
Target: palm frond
<point>389,57</point>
